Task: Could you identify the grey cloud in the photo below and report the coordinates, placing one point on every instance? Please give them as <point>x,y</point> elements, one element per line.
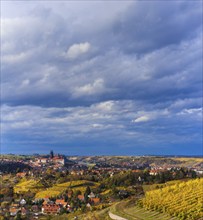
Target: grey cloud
<point>151,25</point>
<point>107,122</point>
<point>166,71</point>
<point>131,70</point>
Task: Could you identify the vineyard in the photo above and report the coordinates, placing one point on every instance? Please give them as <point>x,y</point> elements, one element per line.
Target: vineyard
<point>28,185</point>
<point>59,188</point>
<point>183,200</point>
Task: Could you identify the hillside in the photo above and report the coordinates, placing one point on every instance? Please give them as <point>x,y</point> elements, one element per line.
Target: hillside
<point>174,200</point>
<point>184,200</point>
<point>59,188</point>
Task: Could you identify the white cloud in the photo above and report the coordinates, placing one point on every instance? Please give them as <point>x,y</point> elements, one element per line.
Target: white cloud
<point>142,119</point>
<point>192,111</point>
<point>25,82</point>
<point>78,49</point>
<point>97,87</point>
<point>105,106</point>
<point>16,58</point>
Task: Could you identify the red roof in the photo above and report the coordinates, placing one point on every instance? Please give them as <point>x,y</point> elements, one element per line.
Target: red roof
<point>81,197</point>
<point>61,201</point>
<point>51,208</point>
<point>95,200</point>
<point>22,174</point>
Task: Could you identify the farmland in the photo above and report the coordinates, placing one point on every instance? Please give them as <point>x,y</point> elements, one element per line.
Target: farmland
<point>59,188</point>
<point>183,200</point>
<point>28,185</point>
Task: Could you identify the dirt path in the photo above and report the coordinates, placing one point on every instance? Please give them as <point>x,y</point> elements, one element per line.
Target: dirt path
<point>116,217</point>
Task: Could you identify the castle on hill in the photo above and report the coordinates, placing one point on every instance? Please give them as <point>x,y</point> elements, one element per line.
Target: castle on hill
<point>55,159</point>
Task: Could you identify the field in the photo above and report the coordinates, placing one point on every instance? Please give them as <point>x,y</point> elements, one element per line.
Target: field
<point>28,185</point>
<point>59,188</point>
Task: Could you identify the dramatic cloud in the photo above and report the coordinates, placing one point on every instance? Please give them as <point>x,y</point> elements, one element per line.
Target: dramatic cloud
<point>115,75</point>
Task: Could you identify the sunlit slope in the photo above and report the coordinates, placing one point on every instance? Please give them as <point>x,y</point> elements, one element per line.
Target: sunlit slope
<point>28,185</point>
<point>184,200</point>
<point>60,188</point>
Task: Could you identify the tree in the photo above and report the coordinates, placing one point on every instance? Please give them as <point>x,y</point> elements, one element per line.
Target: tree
<point>18,216</point>
<point>87,192</point>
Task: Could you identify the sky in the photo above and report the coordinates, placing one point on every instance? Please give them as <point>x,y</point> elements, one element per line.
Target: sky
<point>101,77</point>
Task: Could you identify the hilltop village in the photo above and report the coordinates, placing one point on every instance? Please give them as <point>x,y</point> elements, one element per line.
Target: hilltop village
<point>39,186</point>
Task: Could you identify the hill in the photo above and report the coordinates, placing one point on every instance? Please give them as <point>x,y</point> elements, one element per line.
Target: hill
<point>59,188</point>
<point>184,200</point>
<point>174,200</point>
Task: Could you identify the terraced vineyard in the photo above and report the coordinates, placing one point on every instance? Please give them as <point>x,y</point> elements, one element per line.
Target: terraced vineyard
<point>127,209</point>
<point>28,185</point>
<point>183,200</point>
<point>59,188</point>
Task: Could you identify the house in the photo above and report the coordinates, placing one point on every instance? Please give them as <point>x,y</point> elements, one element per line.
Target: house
<point>95,201</point>
<point>61,202</point>
<point>81,197</point>
<point>13,211</point>
<point>153,172</point>
<point>21,174</point>
<point>15,204</point>
<point>51,209</point>
<point>46,200</point>
<point>35,209</point>
<point>22,202</point>
<point>91,195</point>
<point>24,211</point>
<point>136,171</point>
<point>42,160</point>
<point>69,208</point>
<point>89,206</point>
<point>58,160</point>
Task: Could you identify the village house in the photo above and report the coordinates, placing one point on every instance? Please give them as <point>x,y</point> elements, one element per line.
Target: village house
<point>46,200</point>
<point>69,208</point>
<point>42,160</point>
<point>153,172</point>
<point>81,198</point>
<point>95,201</point>
<point>91,195</point>
<point>24,211</point>
<point>51,209</point>
<point>58,159</point>
<point>21,174</point>
<point>13,211</point>
<point>61,202</point>
<point>35,209</point>
<point>22,202</point>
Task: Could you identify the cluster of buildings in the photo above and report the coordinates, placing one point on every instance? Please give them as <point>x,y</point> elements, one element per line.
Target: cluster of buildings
<point>54,160</point>
<point>48,206</point>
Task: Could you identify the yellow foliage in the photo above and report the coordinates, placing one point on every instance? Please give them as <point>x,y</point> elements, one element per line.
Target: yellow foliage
<point>60,188</point>
<point>184,199</point>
